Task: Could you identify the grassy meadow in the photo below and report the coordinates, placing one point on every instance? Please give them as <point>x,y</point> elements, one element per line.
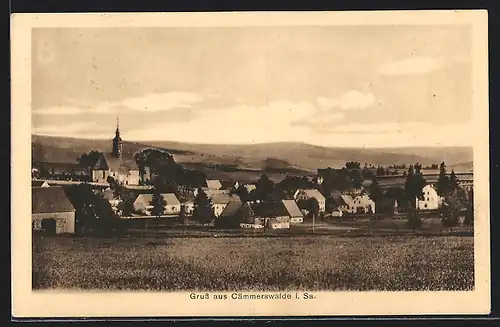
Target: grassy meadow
<point>393,263</point>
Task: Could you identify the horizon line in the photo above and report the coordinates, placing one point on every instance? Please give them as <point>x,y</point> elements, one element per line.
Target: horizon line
<point>260,143</point>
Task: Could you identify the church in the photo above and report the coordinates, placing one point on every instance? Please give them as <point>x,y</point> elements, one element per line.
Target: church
<point>115,165</point>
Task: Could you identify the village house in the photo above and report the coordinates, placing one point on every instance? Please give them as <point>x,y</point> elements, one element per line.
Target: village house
<point>36,183</point>
<point>293,211</point>
<point>349,201</point>
<point>220,201</point>
<point>431,200</point>
<point>52,211</point>
<point>242,214</point>
<point>114,165</point>
<point>339,204</point>
<point>306,194</point>
<point>363,204</point>
<point>250,187</point>
<point>142,204</point>
<point>213,184</point>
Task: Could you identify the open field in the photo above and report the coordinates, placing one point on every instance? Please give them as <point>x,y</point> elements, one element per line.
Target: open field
<point>279,263</point>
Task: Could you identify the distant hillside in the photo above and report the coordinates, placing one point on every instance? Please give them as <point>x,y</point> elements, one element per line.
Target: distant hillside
<point>270,156</point>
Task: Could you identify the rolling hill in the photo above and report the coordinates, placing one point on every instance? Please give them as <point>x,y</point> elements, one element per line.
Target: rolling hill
<point>255,157</point>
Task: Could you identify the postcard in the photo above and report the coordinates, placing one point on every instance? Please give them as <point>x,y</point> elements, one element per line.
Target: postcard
<point>250,164</point>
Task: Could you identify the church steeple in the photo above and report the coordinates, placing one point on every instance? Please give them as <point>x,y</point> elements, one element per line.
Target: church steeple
<point>117,141</point>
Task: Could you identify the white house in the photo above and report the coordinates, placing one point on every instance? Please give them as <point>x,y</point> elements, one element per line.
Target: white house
<point>363,204</point>
<point>305,194</point>
<point>143,205</point>
<point>293,211</point>
<point>431,200</point>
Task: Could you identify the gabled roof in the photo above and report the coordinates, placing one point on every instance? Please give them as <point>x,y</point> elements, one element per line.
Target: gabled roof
<point>224,198</point>
<point>49,200</point>
<point>227,184</point>
<point>169,198</point>
<point>116,164</point>
<point>312,193</point>
<point>213,184</point>
<point>347,199</point>
<point>231,209</point>
<point>292,208</point>
<point>39,184</point>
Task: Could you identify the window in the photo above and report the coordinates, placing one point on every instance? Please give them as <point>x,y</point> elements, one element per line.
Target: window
<point>425,205</point>
<point>103,174</point>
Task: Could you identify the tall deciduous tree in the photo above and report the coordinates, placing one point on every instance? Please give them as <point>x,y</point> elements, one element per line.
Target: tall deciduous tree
<point>158,203</point>
<point>89,159</point>
<point>450,210</point>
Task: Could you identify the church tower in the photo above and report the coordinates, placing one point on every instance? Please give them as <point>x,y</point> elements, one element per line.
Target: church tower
<point>117,141</point>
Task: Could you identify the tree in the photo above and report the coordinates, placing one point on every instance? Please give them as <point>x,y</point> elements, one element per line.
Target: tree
<point>203,212</point>
<point>375,191</point>
<point>469,214</point>
<point>158,203</point>
<point>453,182</point>
<point>353,165</point>
<point>414,184</point>
<point>89,159</point>
<point>414,221</point>
<point>242,192</point>
<point>313,207</point>
<point>357,179</point>
<point>450,210</point>
<point>442,182</point>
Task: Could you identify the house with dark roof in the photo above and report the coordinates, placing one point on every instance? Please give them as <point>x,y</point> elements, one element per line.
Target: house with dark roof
<point>220,201</point>
<point>51,210</point>
<point>115,165</point>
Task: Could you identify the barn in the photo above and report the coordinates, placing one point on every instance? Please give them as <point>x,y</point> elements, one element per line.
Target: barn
<point>52,211</point>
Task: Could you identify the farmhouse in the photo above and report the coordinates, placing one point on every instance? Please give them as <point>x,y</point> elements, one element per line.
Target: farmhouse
<point>431,200</point>
<point>36,183</point>
<point>115,165</point>
<point>142,204</point>
<point>349,202</point>
<point>239,215</point>
<point>51,210</point>
<point>339,204</point>
<point>293,211</point>
<point>213,184</point>
<point>363,204</point>
<point>305,194</point>
<point>220,201</point>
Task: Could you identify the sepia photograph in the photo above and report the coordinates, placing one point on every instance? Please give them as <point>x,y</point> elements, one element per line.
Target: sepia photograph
<point>252,160</point>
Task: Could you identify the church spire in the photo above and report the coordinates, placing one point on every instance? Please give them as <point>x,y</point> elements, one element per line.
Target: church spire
<point>117,141</point>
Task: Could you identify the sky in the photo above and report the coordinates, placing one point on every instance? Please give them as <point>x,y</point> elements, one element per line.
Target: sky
<point>347,86</point>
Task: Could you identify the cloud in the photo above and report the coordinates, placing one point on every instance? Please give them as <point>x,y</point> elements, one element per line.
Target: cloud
<point>86,129</point>
<point>412,66</point>
<point>356,100</point>
<point>152,102</point>
<point>70,110</point>
<point>235,124</point>
<point>163,101</point>
<point>326,102</point>
<point>351,99</point>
